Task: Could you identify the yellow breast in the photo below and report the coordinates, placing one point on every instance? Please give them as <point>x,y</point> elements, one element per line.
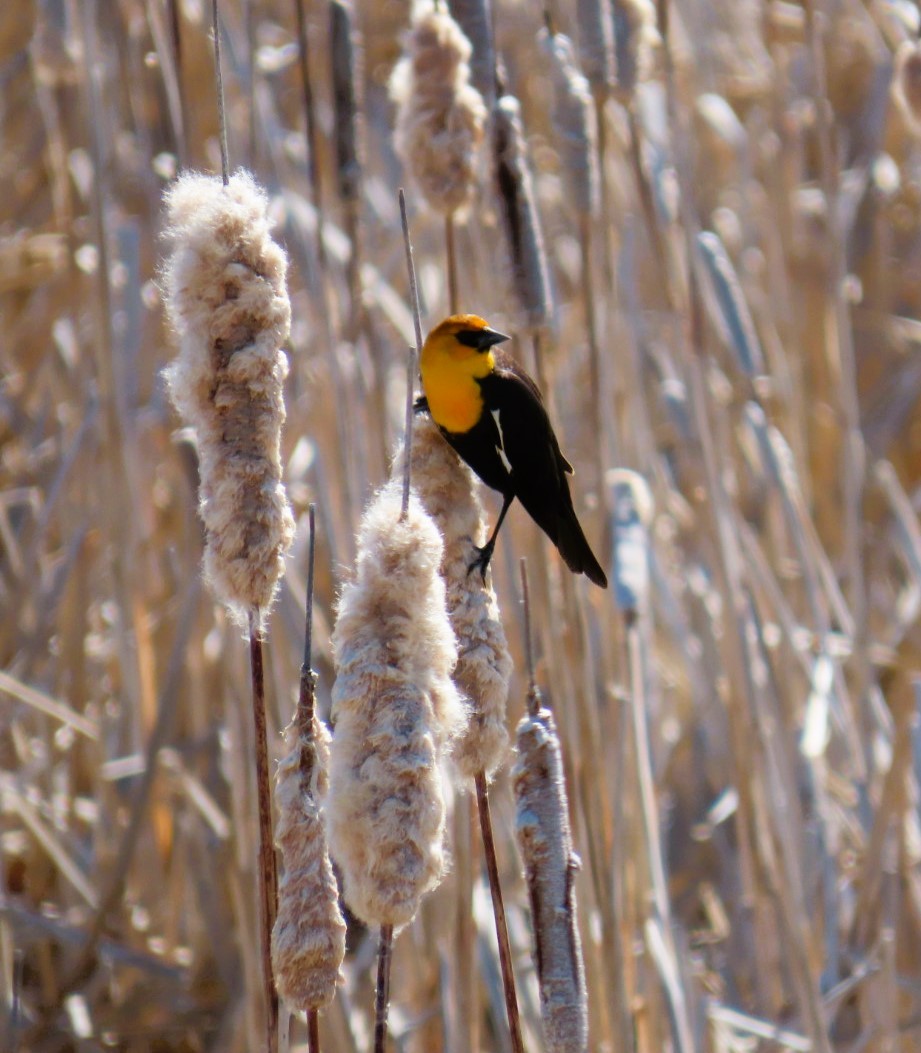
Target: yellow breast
<point>454,396</point>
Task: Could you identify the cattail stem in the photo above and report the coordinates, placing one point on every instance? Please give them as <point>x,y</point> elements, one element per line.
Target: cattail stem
<point>175,31</point>
<point>305,712</point>
<point>219,83</point>
<point>382,997</point>
<point>267,872</point>
<point>414,354</point>
<point>451,254</point>
<point>498,906</point>
<point>533,700</point>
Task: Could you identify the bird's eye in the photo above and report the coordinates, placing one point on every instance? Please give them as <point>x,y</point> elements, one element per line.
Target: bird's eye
<point>470,338</point>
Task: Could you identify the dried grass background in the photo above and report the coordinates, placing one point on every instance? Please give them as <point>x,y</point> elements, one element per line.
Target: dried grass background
<point>742,751</point>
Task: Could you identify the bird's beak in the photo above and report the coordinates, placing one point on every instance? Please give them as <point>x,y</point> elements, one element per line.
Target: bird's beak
<point>490,337</point>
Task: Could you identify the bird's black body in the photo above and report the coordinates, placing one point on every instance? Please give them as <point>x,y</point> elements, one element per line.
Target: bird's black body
<point>514,450</point>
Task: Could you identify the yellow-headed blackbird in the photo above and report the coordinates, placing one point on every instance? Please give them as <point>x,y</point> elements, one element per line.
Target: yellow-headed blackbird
<point>493,415</point>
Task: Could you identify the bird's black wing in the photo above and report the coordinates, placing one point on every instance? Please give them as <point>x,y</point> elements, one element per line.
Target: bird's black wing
<point>537,468</point>
<point>525,398</point>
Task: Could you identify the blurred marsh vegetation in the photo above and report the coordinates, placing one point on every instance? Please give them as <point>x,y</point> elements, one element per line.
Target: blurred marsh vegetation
<point>742,751</point>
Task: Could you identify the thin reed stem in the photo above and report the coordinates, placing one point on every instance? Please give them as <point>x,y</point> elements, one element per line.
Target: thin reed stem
<point>382,996</point>
<point>250,21</point>
<point>451,254</point>
<point>219,84</point>
<point>533,698</point>
<point>305,702</point>
<point>305,711</point>
<point>268,884</point>
<point>414,353</point>
<point>175,31</point>
<point>313,1031</point>
<point>498,906</point>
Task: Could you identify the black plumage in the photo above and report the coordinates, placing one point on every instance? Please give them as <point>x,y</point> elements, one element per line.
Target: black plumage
<point>514,450</point>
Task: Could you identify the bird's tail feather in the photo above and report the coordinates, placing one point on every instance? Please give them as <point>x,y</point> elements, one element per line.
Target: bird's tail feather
<point>577,553</point>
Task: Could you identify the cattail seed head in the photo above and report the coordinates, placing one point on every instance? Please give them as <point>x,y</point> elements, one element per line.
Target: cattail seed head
<point>906,83</point>
<point>545,842</point>
<point>635,37</point>
<point>308,939</point>
<point>396,714</point>
<point>440,115</point>
<point>447,490</point>
<point>575,123</point>
<point>519,212</point>
<point>227,299</point>
<point>345,80</point>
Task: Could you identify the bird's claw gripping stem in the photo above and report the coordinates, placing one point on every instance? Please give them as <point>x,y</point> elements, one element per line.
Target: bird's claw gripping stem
<point>484,555</point>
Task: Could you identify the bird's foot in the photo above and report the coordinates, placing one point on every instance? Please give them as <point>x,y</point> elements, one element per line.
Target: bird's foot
<point>481,563</point>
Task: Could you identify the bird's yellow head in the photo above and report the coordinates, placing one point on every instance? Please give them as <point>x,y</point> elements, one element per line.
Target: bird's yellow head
<point>456,354</point>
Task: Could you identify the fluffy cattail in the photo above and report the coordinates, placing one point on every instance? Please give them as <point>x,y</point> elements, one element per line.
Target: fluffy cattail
<point>447,489</point>
<point>440,115</point>
<point>395,713</point>
<point>906,84</point>
<point>596,44</point>
<point>575,123</point>
<point>519,212</point>
<point>308,940</point>
<point>345,78</point>
<point>226,297</point>
<point>635,36</point>
<point>545,843</point>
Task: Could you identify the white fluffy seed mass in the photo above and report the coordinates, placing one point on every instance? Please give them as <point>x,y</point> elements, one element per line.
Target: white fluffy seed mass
<point>440,115</point>
<point>228,302</point>
<point>308,939</point>
<point>395,715</point>
<point>447,489</point>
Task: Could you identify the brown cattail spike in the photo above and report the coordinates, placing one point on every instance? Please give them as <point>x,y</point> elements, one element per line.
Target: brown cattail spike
<point>519,212</point>
<point>440,115</point>
<point>227,299</point>
<point>475,19</point>
<point>550,865</point>
<point>575,124</point>
<point>345,79</point>
<point>396,713</point>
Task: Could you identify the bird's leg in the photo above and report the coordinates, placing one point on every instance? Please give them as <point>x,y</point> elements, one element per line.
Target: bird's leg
<point>484,554</point>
